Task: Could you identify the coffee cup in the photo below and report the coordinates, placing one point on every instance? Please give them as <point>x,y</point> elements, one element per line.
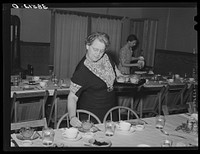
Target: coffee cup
<point>191,79</point>
<point>171,80</point>
<point>177,76</point>
<point>125,126</point>
<point>43,84</point>
<point>133,80</point>
<point>71,132</point>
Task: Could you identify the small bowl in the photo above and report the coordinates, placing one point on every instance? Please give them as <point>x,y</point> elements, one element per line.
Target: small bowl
<point>171,80</point>
<point>139,127</point>
<point>191,79</point>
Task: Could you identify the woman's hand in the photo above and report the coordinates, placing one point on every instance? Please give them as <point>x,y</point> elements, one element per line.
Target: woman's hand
<point>75,122</point>
<point>140,63</point>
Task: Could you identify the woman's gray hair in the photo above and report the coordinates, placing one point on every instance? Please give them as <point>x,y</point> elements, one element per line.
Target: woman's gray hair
<point>101,36</point>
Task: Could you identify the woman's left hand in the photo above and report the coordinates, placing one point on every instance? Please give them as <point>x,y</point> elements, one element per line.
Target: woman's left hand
<point>140,63</point>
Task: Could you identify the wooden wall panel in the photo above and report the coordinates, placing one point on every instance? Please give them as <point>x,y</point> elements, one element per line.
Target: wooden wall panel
<point>174,61</point>
<point>36,54</point>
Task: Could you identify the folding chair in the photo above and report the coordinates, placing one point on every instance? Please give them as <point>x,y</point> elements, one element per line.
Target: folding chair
<point>83,115</point>
<point>115,114</point>
<point>175,98</point>
<point>28,106</point>
<point>150,100</point>
<point>58,106</point>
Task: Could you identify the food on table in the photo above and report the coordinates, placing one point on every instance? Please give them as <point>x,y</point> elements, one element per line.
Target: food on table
<point>26,132</point>
<point>99,143</point>
<point>87,125</point>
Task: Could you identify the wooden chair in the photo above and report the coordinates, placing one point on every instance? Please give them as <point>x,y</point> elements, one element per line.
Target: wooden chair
<point>116,111</point>
<point>149,101</point>
<point>28,106</point>
<point>83,115</point>
<point>34,123</point>
<point>174,98</point>
<point>58,106</point>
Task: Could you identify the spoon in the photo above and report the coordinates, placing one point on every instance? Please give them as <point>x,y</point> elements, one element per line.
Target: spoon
<point>166,133</point>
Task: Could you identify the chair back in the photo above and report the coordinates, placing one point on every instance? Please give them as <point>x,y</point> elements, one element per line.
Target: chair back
<point>150,100</point>
<point>174,98</point>
<point>82,115</point>
<point>188,95</point>
<point>28,106</point>
<point>117,113</point>
<point>58,106</point>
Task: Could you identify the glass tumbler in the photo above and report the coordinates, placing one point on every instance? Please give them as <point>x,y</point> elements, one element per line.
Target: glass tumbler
<point>109,128</point>
<point>160,121</point>
<point>167,143</point>
<point>47,136</point>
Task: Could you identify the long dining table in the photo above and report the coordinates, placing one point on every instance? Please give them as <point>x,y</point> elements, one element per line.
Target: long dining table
<point>147,137</point>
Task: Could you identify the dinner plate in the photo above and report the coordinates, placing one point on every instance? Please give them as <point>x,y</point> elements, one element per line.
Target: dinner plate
<point>21,137</point>
<point>27,142</point>
<point>93,129</point>
<point>34,83</point>
<point>143,145</point>
<point>98,142</point>
<point>78,137</point>
<point>140,72</point>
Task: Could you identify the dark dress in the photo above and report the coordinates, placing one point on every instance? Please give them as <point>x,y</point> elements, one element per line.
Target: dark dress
<point>93,95</point>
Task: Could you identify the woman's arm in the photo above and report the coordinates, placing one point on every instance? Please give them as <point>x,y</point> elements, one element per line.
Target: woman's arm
<point>129,64</point>
<point>135,58</point>
<point>72,104</point>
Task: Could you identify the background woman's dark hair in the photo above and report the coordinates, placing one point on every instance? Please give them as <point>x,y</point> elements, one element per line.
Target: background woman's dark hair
<point>131,38</point>
<point>103,37</point>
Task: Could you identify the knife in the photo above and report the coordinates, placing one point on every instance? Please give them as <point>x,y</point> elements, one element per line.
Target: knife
<point>14,142</point>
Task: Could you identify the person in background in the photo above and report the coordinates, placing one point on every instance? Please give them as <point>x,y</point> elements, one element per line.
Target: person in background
<point>125,56</point>
<point>91,86</point>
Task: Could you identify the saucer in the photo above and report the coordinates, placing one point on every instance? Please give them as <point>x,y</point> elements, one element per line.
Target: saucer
<point>143,145</point>
<point>21,137</point>
<point>130,131</point>
<point>78,137</point>
<point>27,142</point>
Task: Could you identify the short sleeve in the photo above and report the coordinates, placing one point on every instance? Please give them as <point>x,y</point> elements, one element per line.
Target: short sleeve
<point>122,55</point>
<point>79,80</point>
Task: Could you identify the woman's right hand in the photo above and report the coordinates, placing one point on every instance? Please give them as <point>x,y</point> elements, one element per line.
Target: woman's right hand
<point>75,122</point>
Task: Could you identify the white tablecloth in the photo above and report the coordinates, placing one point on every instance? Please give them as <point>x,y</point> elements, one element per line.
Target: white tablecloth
<point>148,136</point>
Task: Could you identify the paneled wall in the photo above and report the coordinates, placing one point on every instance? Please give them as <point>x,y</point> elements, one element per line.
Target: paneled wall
<point>36,54</point>
<point>174,61</point>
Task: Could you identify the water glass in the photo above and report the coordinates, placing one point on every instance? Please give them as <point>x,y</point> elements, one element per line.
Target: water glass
<point>166,143</point>
<point>47,136</point>
<point>109,128</point>
<point>160,121</point>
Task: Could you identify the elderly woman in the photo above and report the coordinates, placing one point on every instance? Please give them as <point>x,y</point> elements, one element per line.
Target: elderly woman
<point>91,85</point>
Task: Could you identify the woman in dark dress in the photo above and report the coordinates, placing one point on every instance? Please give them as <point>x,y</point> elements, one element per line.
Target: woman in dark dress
<point>91,85</point>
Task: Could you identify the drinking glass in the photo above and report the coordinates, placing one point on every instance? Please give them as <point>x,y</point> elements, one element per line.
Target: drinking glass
<point>109,128</point>
<point>48,136</point>
<point>160,121</point>
<point>166,143</point>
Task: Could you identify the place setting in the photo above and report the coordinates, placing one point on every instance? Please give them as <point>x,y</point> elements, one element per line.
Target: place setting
<point>124,128</point>
<point>71,134</point>
<point>26,135</point>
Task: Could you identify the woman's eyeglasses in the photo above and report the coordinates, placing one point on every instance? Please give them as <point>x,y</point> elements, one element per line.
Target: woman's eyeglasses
<point>97,50</point>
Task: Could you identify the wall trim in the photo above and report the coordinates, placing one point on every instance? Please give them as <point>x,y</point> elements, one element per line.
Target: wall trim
<point>174,52</point>
<point>34,43</point>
